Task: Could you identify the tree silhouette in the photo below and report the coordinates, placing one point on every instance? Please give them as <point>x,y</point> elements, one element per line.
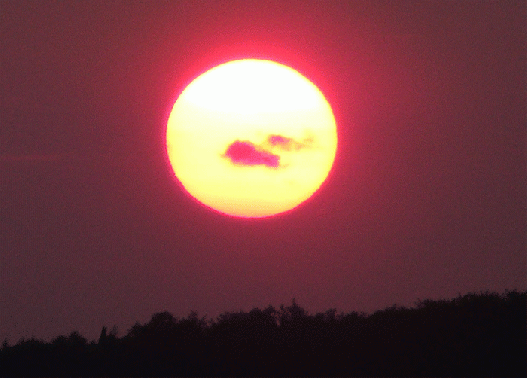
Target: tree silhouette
<point>472,335</point>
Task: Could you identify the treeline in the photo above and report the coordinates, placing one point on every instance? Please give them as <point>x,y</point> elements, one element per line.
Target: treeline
<point>473,335</point>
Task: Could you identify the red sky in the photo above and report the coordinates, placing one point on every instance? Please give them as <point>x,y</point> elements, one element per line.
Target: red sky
<point>427,198</point>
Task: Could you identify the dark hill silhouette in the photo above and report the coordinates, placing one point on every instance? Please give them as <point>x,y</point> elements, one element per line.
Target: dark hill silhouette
<point>473,335</point>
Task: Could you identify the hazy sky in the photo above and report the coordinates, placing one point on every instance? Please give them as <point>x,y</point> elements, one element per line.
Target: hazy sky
<point>427,197</point>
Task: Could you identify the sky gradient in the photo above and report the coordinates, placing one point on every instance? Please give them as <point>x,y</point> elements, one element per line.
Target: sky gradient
<point>426,199</point>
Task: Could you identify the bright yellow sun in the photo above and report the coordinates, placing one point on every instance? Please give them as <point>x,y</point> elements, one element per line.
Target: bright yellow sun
<point>251,138</point>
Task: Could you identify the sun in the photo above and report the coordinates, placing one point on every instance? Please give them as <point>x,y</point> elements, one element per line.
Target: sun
<point>251,138</point>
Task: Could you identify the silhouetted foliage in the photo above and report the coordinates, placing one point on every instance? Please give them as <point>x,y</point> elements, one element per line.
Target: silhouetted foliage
<point>472,335</point>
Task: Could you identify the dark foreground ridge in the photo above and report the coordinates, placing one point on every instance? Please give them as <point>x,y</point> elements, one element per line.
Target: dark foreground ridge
<point>472,335</point>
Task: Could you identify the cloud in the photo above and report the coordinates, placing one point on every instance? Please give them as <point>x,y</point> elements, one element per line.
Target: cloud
<point>29,158</point>
<point>246,153</point>
<point>288,144</point>
<point>280,141</point>
<point>266,153</point>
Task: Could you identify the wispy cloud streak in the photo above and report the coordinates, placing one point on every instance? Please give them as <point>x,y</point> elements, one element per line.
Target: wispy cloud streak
<point>37,158</point>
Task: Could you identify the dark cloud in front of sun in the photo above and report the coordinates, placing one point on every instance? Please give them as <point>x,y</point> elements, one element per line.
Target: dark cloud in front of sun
<point>246,153</point>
